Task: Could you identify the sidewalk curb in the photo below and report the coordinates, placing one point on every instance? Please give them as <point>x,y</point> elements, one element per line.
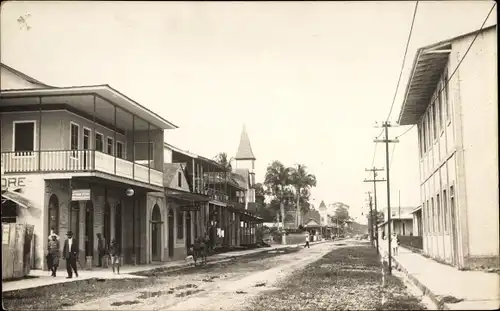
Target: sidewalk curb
<point>425,290</point>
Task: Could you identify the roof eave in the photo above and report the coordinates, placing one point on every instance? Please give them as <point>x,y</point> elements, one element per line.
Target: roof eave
<point>428,66</point>
<point>103,90</point>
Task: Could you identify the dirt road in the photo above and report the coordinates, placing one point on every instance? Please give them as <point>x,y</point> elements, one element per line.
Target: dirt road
<point>225,286</point>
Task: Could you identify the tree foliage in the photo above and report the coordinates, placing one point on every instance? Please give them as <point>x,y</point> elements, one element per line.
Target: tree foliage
<point>278,182</point>
<point>302,181</point>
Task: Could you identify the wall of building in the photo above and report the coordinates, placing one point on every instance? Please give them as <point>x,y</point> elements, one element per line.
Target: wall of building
<point>55,129</point>
<point>156,136</point>
<point>460,159</point>
<point>479,125</point>
<point>32,188</point>
<point>100,195</point>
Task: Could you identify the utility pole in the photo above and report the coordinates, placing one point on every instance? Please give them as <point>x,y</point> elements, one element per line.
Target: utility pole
<point>386,140</point>
<point>375,181</point>
<point>370,219</point>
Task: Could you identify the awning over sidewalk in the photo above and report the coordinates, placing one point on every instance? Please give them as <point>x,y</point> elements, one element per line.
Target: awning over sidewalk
<point>16,198</point>
<point>186,196</point>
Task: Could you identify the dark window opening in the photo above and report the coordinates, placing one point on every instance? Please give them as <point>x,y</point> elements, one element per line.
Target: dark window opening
<point>179,179</point>
<point>180,225</point>
<point>119,150</point>
<point>99,142</point>
<point>9,212</point>
<point>24,136</point>
<point>109,148</point>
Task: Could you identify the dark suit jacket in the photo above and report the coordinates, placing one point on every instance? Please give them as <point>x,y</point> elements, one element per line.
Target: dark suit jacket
<point>70,253</point>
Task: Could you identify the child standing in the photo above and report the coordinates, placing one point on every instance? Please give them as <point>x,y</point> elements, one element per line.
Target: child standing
<point>114,253</point>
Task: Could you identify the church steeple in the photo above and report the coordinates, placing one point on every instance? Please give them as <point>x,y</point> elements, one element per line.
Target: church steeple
<point>245,149</point>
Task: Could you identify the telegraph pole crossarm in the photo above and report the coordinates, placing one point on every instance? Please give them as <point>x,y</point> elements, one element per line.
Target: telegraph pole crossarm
<point>386,140</point>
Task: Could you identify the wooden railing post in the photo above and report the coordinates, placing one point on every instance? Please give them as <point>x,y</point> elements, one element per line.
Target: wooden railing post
<point>39,133</point>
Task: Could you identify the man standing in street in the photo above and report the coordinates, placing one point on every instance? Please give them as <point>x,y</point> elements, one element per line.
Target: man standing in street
<point>101,249</point>
<point>307,240</point>
<point>70,254</point>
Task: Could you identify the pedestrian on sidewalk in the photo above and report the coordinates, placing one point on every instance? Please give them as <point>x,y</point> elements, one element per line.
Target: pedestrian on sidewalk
<point>53,254</point>
<point>307,241</point>
<point>70,254</point>
<point>114,253</point>
<point>52,234</point>
<point>101,248</point>
<point>394,243</point>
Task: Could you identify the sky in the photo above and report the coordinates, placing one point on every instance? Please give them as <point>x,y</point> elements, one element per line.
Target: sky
<point>307,79</point>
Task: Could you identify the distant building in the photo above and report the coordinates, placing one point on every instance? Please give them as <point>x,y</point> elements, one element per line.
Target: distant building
<point>401,222</point>
<point>458,147</point>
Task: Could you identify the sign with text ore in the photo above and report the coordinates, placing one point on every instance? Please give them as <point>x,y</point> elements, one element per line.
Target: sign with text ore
<point>80,195</point>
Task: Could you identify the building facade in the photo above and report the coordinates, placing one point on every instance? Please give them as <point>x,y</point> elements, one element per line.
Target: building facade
<point>79,159</point>
<point>457,125</point>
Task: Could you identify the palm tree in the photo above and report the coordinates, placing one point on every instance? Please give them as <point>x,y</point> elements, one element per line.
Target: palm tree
<point>223,159</point>
<point>277,180</point>
<point>302,181</point>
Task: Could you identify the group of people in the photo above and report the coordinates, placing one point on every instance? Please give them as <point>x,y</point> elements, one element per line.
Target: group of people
<point>200,248</point>
<point>70,253</point>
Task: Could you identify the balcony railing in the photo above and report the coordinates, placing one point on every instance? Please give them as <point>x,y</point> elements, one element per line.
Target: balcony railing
<point>78,161</point>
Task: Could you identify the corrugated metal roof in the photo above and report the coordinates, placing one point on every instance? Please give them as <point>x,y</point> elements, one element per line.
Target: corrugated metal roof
<point>244,149</point>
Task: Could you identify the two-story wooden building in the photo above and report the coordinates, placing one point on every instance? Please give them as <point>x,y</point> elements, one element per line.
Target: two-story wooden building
<point>85,158</point>
<point>452,97</point>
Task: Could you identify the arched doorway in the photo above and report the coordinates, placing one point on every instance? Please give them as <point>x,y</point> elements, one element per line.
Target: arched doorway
<point>156,233</point>
<point>188,229</point>
<point>170,233</point>
<point>89,228</point>
<point>118,225</point>
<point>54,213</point>
<point>107,224</point>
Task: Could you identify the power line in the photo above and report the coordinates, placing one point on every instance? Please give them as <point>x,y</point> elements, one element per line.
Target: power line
<point>399,79</point>
<point>409,129</point>
<point>392,154</point>
<point>404,59</point>
<point>452,74</point>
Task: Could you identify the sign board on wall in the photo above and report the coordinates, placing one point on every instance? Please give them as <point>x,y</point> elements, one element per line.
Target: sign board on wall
<point>80,195</point>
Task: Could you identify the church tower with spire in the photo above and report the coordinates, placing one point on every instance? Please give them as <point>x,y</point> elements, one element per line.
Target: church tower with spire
<point>245,159</point>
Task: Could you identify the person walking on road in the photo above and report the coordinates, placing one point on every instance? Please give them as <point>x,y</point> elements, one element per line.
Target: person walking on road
<point>70,254</point>
<point>307,241</point>
<point>114,253</point>
<point>53,254</point>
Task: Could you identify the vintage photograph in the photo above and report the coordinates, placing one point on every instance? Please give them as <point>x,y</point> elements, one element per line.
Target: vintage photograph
<point>249,155</point>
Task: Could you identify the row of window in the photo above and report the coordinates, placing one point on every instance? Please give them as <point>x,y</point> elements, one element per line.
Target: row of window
<point>110,148</point>
<point>436,115</point>
<point>437,211</point>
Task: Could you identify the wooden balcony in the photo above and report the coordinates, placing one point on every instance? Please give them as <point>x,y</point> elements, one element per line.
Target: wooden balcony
<point>72,161</point>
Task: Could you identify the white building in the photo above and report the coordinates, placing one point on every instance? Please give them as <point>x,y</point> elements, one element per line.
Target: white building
<point>458,146</point>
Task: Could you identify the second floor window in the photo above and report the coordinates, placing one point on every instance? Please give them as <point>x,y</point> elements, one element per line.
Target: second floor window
<point>119,150</point>
<point>446,95</point>
<point>434,121</point>
<point>24,136</point>
<point>75,135</point>
<point>179,179</point>
<point>441,110</point>
<point>109,146</point>
<point>424,134</point>
<point>99,142</point>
